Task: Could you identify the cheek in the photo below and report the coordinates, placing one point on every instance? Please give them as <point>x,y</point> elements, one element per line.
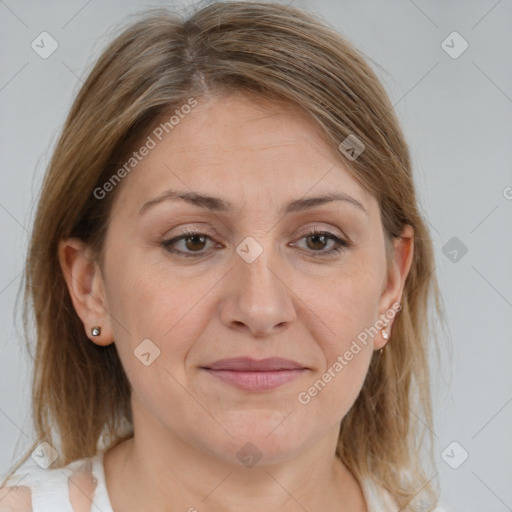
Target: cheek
<point>332,393</point>
<point>345,310</point>
<point>345,304</point>
<point>346,353</point>
<point>154,334</point>
<point>148,302</point>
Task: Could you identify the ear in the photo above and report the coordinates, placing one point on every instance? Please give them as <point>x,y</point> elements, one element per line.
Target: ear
<point>400,264</point>
<point>85,285</point>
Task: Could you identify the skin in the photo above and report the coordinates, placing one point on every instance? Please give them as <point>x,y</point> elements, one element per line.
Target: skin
<point>290,302</point>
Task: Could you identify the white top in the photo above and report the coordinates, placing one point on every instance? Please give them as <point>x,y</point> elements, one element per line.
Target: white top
<point>47,490</point>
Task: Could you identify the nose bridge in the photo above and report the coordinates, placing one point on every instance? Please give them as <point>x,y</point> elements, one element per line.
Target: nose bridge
<point>257,270</point>
<point>258,295</point>
<point>258,275</point>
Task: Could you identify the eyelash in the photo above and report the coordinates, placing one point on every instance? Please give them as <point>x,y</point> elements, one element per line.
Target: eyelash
<point>341,244</point>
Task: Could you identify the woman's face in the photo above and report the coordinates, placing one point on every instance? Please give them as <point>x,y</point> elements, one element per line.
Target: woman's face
<point>230,333</point>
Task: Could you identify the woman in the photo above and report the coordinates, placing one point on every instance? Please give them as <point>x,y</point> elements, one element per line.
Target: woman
<point>230,279</point>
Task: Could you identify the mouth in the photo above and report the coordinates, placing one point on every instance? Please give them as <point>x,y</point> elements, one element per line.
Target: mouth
<point>255,375</point>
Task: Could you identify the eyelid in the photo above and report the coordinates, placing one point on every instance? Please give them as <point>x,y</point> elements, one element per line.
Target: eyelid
<point>319,229</point>
<point>187,231</point>
<point>340,244</point>
<point>168,243</point>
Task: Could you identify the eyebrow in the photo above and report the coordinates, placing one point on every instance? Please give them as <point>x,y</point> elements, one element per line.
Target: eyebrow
<point>216,204</point>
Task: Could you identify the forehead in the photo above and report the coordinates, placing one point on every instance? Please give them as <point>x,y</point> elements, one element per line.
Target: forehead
<point>241,147</point>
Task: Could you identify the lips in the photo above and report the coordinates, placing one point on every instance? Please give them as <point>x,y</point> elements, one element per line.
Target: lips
<point>246,364</point>
<point>255,375</point>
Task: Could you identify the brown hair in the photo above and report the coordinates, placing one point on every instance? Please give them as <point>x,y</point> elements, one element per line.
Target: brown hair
<point>80,390</point>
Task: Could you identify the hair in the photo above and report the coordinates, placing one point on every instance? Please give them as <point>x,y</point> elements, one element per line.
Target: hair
<point>80,393</point>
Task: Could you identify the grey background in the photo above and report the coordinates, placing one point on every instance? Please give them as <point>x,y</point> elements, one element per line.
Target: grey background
<point>456,114</point>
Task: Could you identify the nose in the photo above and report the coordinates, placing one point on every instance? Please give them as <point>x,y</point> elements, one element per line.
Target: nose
<point>257,297</point>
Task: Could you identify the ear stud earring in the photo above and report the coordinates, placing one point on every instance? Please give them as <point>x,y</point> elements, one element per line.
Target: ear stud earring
<point>96,330</point>
<point>385,334</point>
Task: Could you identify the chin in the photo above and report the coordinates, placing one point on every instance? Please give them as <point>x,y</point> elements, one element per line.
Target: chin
<point>259,452</point>
<point>262,438</point>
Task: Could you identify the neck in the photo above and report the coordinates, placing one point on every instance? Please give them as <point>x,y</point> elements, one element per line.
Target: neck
<point>158,470</point>
<point>178,478</point>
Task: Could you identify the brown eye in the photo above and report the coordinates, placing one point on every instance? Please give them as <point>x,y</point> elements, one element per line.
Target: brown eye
<point>318,242</point>
<point>195,242</point>
<point>189,245</point>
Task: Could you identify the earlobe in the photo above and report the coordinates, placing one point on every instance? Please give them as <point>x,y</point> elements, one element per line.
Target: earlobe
<point>85,287</point>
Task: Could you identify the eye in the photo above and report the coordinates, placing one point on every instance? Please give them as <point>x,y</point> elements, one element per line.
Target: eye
<point>316,241</point>
<point>195,244</point>
<point>192,242</point>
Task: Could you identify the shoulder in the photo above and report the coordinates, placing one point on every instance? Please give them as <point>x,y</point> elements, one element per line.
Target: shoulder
<point>33,488</point>
<point>379,499</point>
<point>15,499</point>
